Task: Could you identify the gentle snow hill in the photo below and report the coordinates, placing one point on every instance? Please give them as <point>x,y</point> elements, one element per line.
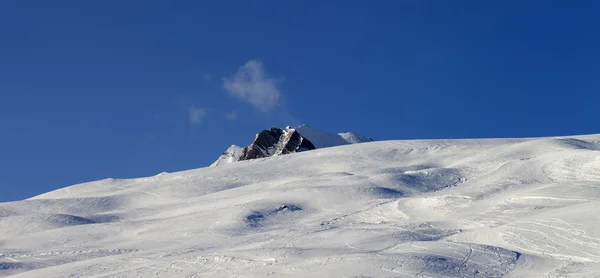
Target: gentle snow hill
<point>425,208</point>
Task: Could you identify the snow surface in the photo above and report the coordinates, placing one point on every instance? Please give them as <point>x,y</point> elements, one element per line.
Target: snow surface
<point>232,154</point>
<point>323,139</point>
<point>354,138</point>
<point>430,208</point>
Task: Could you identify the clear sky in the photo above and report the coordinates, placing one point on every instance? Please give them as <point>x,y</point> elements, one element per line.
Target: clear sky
<point>98,89</point>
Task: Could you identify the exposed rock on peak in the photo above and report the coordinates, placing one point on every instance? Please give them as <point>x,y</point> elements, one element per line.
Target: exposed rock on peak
<point>276,141</point>
<point>292,142</point>
<point>263,145</point>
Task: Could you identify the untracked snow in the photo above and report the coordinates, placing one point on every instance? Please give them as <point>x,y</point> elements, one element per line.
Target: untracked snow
<point>429,208</point>
<point>323,139</point>
<point>232,154</point>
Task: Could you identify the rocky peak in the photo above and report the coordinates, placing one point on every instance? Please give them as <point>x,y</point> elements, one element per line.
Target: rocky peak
<point>291,141</point>
<point>275,141</point>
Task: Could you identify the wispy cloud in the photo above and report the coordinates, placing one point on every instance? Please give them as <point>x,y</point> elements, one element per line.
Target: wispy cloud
<point>231,116</point>
<point>207,77</point>
<point>196,114</point>
<point>252,84</point>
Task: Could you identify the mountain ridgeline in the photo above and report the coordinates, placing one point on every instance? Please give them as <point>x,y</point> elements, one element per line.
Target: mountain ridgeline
<point>277,141</point>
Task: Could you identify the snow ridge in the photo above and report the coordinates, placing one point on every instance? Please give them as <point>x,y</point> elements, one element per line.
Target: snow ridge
<point>232,154</point>
<point>323,139</point>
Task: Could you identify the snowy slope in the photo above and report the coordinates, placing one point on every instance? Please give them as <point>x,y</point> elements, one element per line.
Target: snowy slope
<point>354,138</point>
<point>232,154</point>
<point>323,139</point>
<point>437,208</point>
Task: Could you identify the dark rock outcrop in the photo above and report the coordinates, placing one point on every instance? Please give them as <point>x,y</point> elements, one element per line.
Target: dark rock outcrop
<point>276,141</point>
<point>292,142</point>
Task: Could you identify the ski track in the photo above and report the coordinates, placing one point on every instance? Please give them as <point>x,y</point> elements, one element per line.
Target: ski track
<point>427,208</point>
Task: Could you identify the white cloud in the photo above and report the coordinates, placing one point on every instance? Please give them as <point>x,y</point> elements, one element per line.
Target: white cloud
<point>252,84</point>
<point>231,116</point>
<point>196,114</point>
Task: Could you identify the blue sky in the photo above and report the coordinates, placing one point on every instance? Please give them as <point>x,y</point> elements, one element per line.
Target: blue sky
<point>98,89</point>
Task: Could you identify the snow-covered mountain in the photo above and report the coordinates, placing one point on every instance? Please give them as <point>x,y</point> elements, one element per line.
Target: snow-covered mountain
<point>427,208</point>
<point>323,139</point>
<point>232,154</point>
<point>276,141</point>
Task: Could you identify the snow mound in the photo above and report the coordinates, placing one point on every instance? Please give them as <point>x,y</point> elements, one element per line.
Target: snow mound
<point>15,225</point>
<point>420,208</point>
